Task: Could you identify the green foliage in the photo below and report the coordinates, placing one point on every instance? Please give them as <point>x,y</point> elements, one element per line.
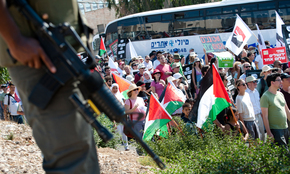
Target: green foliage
<point>4,75</point>
<point>106,122</point>
<point>126,7</point>
<point>217,153</point>
<point>10,136</point>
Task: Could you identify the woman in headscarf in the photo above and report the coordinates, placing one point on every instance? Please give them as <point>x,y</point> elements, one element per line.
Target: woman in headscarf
<point>120,127</point>
<point>147,80</point>
<point>116,92</point>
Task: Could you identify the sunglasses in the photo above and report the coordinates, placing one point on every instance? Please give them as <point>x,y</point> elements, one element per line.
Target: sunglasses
<point>256,81</point>
<point>242,84</point>
<point>247,66</point>
<point>136,89</point>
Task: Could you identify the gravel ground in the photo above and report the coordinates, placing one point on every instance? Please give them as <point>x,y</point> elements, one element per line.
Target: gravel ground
<point>20,154</point>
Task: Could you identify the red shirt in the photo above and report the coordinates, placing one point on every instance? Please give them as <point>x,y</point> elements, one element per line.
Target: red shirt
<point>163,69</point>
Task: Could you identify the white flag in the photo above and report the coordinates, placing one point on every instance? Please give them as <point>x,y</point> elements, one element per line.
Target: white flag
<point>240,36</point>
<point>279,35</point>
<point>133,52</point>
<point>113,66</point>
<point>261,41</point>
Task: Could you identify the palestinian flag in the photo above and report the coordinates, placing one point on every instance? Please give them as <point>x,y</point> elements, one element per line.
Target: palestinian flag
<point>211,100</point>
<point>102,47</point>
<point>123,84</point>
<point>172,98</point>
<point>156,118</point>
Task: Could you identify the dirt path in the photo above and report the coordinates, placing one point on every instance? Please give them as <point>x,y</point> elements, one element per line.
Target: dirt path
<point>20,154</point>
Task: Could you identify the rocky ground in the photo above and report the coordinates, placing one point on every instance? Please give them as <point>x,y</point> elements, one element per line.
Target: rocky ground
<point>20,154</point>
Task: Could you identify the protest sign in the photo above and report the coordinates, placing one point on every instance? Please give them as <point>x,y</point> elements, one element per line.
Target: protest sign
<point>286,37</point>
<point>187,71</point>
<point>121,49</point>
<point>254,73</point>
<point>114,47</point>
<point>272,54</point>
<point>212,43</point>
<point>225,59</point>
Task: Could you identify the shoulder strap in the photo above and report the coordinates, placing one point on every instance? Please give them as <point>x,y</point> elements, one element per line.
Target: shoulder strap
<point>130,108</point>
<point>263,86</point>
<point>9,95</point>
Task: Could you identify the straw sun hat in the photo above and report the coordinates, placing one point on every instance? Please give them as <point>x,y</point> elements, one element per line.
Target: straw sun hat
<point>132,87</point>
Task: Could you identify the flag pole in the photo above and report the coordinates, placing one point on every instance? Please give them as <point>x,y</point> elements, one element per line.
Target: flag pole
<point>235,118</point>
<point>177,127</point>
<point>254,35</point>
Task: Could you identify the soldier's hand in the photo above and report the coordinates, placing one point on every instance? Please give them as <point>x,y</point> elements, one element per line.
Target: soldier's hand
<point>29,52</point>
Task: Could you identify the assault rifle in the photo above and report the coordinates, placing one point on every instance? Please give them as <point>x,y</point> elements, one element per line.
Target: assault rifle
<point>97,98</point>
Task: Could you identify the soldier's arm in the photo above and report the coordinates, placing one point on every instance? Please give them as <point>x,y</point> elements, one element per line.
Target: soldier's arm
<point>25,50</point>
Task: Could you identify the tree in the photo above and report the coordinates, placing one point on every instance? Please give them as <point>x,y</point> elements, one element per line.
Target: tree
<point>4,75</point>
<point>127,7</point>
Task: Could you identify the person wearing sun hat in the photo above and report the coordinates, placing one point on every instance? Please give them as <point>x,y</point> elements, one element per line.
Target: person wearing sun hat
<point>262,85</point>
<point>157,85</point>
<point>252,82</point>
<point>136,104</point>
<point>177,59</point>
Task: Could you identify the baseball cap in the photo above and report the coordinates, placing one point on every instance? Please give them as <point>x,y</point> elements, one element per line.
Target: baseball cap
<point>285,75</point>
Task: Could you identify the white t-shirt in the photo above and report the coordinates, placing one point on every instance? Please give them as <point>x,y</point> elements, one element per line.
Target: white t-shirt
<point>255,99</point>
<point>148,65</point>
<point>243,77</point>
<point>260,61</point>
<point>245,107</point>
<point>13,106</point>
<point>156,63</point>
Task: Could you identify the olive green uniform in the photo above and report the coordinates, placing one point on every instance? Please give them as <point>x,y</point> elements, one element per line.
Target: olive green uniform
<point>63,136</point>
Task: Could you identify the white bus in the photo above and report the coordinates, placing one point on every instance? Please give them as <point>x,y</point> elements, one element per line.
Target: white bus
<point>180,27</point>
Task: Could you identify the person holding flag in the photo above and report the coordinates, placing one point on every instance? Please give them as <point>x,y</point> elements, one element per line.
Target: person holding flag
<point>136,104</point>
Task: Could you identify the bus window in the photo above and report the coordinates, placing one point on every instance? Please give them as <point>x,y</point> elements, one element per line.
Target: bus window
<point>190,14</point>
<point>247,18</point>
<point>130,28</point>
<point>285,15</point>
<point>213,11</point>
<point>268,5</point>
<point>284,4</point>
<point>233,9</point>
<point>227,23</point>
<point>213,24</point>
<point>167,17</point>
<point>250,7</point>
<point>220,23</point>
<point>151,19</point>
<point>264,19</point>
<point>191,26</point>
